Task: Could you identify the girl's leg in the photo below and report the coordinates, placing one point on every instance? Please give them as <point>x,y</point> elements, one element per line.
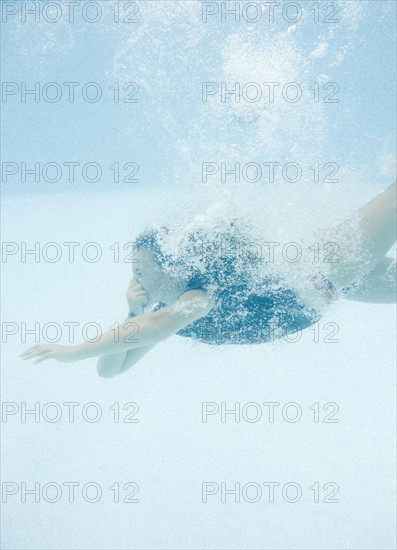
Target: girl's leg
<point>379,286</point>
<point>363,242</point>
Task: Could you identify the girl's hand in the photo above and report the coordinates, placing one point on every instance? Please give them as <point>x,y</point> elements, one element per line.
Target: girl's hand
<point>136,297</point>
<point>64,354</point>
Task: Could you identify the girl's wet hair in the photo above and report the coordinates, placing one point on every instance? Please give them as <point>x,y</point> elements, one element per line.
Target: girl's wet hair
<point>204,257</point>
<point>149,240</point>
<point>180,264</point>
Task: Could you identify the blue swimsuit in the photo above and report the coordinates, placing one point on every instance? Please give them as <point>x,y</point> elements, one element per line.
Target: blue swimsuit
<point>241,317</point>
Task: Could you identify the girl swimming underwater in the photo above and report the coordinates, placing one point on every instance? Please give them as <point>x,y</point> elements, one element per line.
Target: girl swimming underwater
<point>214,295</point>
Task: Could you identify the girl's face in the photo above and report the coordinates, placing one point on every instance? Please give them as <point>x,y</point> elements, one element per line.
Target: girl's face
<point>159,285</point>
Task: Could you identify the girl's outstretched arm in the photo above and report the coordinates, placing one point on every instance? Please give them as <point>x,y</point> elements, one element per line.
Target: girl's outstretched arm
<point>139,332</point>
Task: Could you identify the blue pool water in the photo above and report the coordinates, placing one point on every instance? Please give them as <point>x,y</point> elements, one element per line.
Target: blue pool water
<point>106,170</point>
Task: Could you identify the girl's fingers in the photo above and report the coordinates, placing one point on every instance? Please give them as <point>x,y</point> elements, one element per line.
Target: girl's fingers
<point>29,350</point>
<point>30,354</point>
<point>43,352</point>
<point>135,288</point>
<point>138,295</point>
<point>36,352</point>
